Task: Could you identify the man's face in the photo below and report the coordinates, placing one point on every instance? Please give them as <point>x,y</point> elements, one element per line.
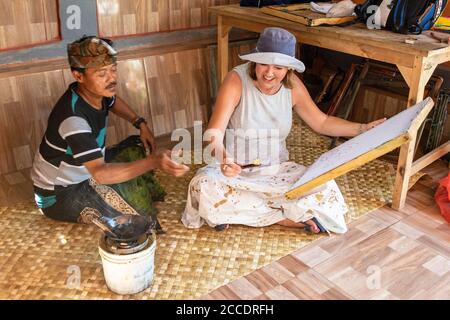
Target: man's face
<point>100,81</point>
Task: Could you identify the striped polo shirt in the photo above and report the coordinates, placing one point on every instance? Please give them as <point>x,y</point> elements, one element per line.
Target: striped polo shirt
<point>75,134</point>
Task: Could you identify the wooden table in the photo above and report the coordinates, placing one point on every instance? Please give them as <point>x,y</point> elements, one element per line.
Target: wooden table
<point>416,63</point>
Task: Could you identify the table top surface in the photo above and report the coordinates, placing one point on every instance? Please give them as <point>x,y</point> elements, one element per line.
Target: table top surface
<point>356,33</point>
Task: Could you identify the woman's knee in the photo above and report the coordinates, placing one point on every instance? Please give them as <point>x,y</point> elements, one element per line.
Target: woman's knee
<point>203,178</point>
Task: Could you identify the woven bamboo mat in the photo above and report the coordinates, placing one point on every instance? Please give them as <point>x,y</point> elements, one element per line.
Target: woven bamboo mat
<point>45,259</point>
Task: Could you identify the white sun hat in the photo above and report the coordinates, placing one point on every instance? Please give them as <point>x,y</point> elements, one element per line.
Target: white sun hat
<point>275,46</point>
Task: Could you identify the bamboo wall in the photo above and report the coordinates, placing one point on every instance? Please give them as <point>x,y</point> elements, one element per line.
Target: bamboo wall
<point>27,22</point>
<point>125,17</point>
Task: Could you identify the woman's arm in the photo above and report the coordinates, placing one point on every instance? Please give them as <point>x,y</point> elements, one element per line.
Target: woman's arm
<point>321,123</point>
<point>228,98</point>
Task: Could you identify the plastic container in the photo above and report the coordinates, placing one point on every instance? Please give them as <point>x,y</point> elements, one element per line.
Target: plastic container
<point>130,273</point>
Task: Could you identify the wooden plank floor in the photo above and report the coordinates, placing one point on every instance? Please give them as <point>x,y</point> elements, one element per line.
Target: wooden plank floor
<point>384,255</point>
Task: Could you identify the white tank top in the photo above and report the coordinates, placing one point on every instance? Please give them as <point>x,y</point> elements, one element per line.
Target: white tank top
<point>260,124</point>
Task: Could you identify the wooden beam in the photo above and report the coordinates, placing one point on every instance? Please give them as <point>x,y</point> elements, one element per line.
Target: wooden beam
<point>222,48</point>
<point>430,157</point>
<point>291,7</point>
<point>306,17</point>
<point>440,55</point>
<point>355,163</point>
<point>427,72</point>
<point>173,42</point>
<point>418,76</point>
<point>403,173</point>
<point>404,166</point>
<point>420,118</point>
<point>406,73</point>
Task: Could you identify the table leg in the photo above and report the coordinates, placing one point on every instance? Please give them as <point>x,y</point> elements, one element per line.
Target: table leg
<point>403,173</point>
<point>222,48</point>
<point>416,77</point>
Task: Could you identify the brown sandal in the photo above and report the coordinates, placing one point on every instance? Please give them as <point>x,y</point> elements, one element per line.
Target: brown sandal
<point>222,227</point>
<point>319,226</point>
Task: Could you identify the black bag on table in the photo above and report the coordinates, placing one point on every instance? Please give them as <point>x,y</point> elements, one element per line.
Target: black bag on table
<point>414,16</point>
<point>405,16</point>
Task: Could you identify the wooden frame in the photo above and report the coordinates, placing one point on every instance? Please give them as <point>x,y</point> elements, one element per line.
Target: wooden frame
<point>301,13</point>
<point>416,62</point>
<point>402,140</point>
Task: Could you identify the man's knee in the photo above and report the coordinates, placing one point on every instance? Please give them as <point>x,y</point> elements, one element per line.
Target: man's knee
<point>61,215</point>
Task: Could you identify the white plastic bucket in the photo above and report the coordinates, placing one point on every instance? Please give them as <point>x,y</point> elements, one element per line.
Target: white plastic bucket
<point>131,273</point>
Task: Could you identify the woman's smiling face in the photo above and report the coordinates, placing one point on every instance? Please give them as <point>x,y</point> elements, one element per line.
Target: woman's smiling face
<point>269,77</point>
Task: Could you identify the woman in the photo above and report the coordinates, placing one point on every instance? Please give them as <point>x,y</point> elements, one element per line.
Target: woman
<point>255,103</point>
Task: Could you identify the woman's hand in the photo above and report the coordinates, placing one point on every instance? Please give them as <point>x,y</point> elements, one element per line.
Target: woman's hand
<point>229,168</point>
<point>147,138</point>
<point>367,126</point>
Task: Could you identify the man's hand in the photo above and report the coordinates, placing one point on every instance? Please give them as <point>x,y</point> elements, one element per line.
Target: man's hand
<point>147,138</point>
<point>162,160</point>
<point>229,168</point>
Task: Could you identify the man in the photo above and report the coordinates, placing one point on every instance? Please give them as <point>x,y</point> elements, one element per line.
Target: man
<point>70,174</point>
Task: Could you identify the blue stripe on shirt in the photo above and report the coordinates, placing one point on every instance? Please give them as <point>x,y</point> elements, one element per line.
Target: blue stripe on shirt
<point>44,202</point>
